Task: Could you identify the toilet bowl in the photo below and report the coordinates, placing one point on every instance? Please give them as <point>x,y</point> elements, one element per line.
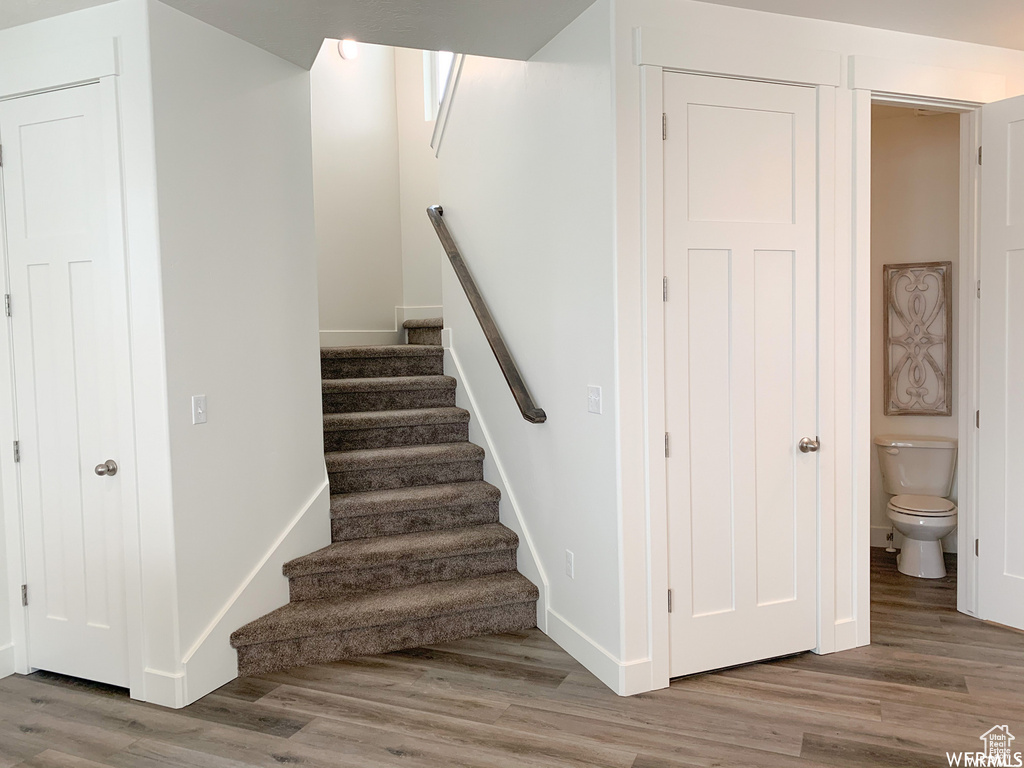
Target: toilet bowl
<point>917,471</point>
<point>924,521</point>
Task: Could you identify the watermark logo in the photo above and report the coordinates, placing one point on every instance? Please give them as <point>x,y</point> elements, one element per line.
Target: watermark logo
<point>998,751</point>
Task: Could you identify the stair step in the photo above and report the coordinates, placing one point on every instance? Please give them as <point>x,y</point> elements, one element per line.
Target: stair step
<point>386,562</point>
<point>425,322</point>
<point>388,393</point>
<point>374,469</point>
<point>378,361</point>
<point>425,331</point>
<point>384,429</point>
<point>407,510</point>
<point>321,631</point>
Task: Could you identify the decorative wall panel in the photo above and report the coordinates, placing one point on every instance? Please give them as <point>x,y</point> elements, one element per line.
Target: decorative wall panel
<point>918,333</point>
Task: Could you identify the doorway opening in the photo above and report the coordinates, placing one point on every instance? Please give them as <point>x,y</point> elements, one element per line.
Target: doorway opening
<point>917,256</point>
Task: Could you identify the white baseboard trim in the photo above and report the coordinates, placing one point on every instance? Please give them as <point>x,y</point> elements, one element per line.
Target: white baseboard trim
<point>625,678</point>
<point>396,335</point>
<point>360,338</point>
<point>846,635</point>
<point>494,472</point>
<point>164,688</point>
<point>211,661</point>
<point>7,666</point>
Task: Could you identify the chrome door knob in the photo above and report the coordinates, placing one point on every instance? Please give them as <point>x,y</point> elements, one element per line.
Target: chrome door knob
<point>107,469</point>
<point>807,445</point>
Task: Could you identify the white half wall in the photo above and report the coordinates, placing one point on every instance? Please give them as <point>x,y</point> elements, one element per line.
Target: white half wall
<point>915,216</point>
<point>235,188</point>
<point>527,185</point>
<point>356,189</point>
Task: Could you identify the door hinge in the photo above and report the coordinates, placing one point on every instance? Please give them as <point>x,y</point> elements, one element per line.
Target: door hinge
<point>664,289</point>
<point>670,601</point>
<point>666,445</point>
<point>979,289</point>
<point>24,594</point>
<point>664,126</point>
<point>977,419</point>
<point>17,451</point>
<point>7,304</point>
<point>979,155</point>
<point>975,547</point>
<point>1,155</point>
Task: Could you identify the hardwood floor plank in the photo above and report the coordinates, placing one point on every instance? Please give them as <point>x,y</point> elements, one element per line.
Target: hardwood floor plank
<point>51,758</point>
<point>841,753</point>
<point>932,681</point>
<point>433,727</point>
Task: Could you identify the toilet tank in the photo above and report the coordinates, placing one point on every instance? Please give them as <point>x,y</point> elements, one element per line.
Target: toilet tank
<point>917,465</point>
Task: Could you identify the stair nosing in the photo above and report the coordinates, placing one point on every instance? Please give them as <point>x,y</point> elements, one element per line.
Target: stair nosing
<point>387,384</point>
<point>381,351</point>
<point>406,498</point>
<point>506,588</point>
<point>402,456</point>
<point>490,537</point>
<point>395,418</point>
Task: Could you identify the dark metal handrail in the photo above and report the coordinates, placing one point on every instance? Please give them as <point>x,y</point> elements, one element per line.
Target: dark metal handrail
<point>508,366</point>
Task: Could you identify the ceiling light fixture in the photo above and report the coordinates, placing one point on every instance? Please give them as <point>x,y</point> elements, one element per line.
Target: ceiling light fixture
<point>348,49</point>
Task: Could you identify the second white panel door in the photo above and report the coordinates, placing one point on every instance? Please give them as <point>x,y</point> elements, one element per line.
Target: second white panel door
<point>741,369</point>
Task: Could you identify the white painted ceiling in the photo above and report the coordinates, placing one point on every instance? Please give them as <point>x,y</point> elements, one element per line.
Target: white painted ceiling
<point>294,29</point>
<point>989,22</point>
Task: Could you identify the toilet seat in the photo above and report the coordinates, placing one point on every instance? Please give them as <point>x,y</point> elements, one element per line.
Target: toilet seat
<point>922,506</point>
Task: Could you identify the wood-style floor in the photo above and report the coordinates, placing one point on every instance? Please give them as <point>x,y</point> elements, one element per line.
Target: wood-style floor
<point>932,681</point>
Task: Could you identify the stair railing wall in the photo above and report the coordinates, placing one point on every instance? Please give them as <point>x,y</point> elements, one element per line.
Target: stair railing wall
<point>508,366</point>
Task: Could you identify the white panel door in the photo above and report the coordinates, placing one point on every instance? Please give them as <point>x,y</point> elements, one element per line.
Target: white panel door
<point>1001,396</point>
<point>64,284</point>
<point>741,369</point>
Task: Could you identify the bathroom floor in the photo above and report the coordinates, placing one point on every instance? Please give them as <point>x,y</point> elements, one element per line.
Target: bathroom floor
<point>933,681</point>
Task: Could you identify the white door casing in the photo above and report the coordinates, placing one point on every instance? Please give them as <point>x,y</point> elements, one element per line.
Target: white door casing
<point>1001,366</point>
<point>68,301</point>
<point>740,369</point>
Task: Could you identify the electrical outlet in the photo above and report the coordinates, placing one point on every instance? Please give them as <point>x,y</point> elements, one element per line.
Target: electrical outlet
<point>594,400</point>
<point>198,409</point>
<point>570,568</point>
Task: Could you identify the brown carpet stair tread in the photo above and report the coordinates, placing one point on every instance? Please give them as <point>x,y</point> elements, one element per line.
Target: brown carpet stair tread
<point>387,384</point>
<point>402,456</point>
<point>426,322</point>
<point>309,618</point>
<point>412,499</point>
<point>408,547</point>
<point>411,417</point>
<point>390,350</point>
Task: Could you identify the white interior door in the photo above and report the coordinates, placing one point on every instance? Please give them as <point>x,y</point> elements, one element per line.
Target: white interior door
<point>64,286</point>
<point>1001,360</point>
<point>741,392</point>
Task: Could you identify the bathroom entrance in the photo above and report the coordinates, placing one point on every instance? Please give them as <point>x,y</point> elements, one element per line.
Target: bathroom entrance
<point>947,240</point>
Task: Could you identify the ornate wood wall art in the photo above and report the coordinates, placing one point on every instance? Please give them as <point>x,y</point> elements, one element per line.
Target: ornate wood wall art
<point>918,334</point>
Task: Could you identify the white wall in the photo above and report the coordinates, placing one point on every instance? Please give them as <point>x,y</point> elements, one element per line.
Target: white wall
<point>418,185</point>
<point>710,37</point>
<point>47,54</point>
<point>915,216</point>
<point>356,190</point>
<point>239,283</point>
<point>527,187</point>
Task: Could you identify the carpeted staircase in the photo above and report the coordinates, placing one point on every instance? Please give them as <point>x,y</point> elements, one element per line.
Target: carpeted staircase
<point>418,555</point>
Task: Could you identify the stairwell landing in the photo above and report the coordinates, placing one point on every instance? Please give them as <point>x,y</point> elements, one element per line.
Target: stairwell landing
<point>417,554</point>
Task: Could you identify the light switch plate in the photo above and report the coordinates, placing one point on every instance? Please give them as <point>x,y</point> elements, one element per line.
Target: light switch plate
<point>570,566</point>
<point>594,400</point>
<point>198,409</point>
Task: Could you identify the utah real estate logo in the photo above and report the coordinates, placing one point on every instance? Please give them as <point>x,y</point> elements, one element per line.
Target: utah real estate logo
<point>998,751</point>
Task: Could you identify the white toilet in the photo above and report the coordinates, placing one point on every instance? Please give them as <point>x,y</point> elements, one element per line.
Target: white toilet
<point>918,472</point>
